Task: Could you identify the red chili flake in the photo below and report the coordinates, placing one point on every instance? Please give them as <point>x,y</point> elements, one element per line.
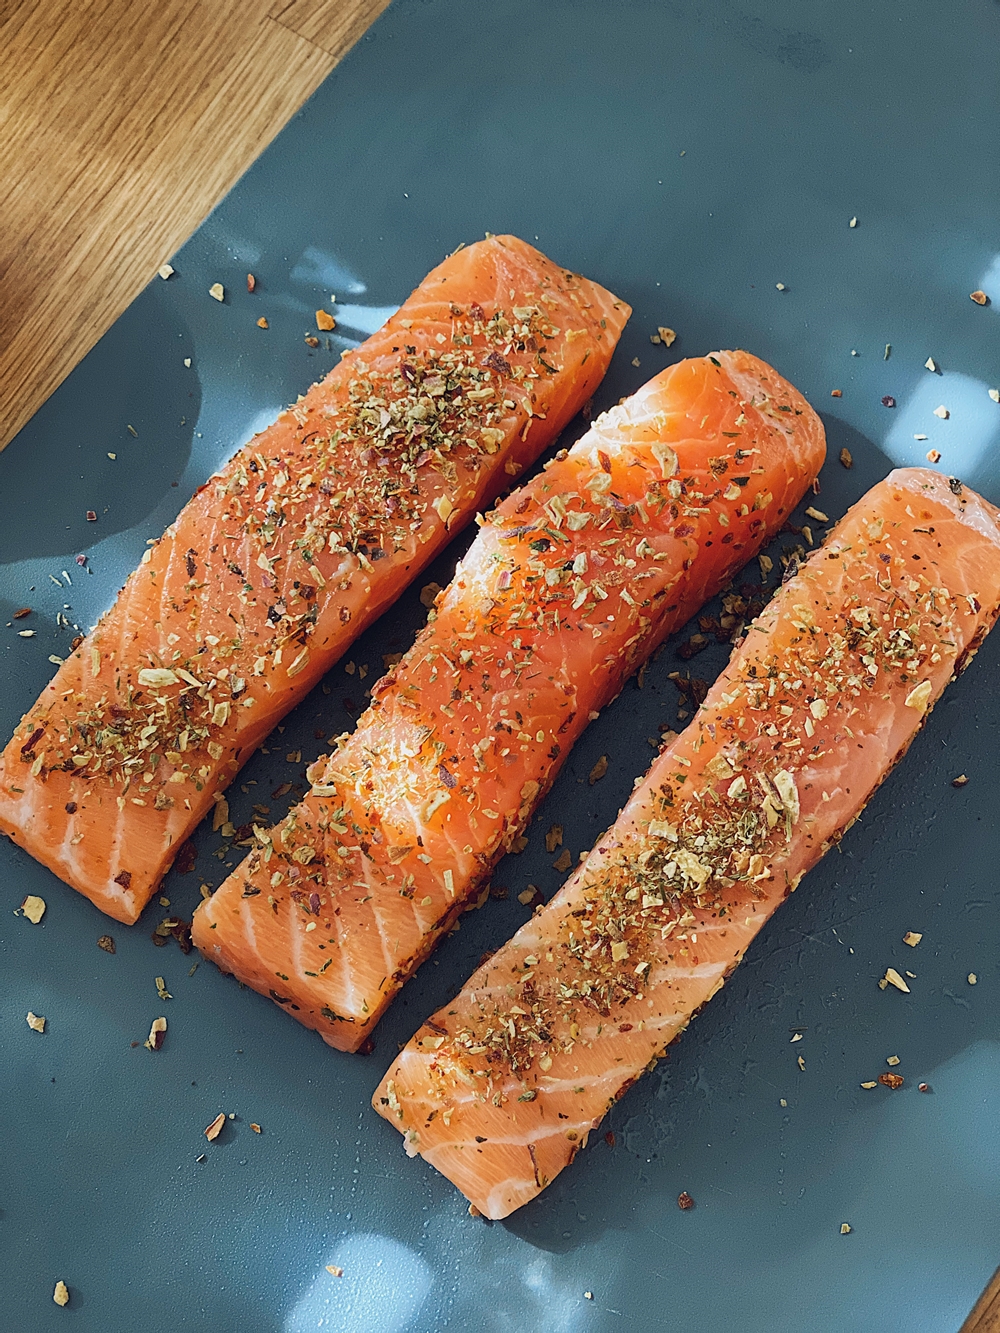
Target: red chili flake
<point>314,903</point>
<point>181,932</point>
<point>311,341</point>
<point>81,559</point>
<point>846,458</point>
<point>91,516</point>
<point>251,282</point>
<point>185,860</point>
<point>891,1080</point>
<point>609,1138</point>
<point>960,781</point>
<point>476,311</point>
<point>27,749</point>
<point>888,401</point>
<point>75,642</point>
<point>924,1087</point>
<point>19,615</point>
<point>605,461</point>
<point>684,1201</point>
<point>836,393</point>
<point>496,362</point>
<point>124,878</point>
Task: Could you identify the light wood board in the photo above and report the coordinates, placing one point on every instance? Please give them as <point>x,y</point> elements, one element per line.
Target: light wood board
<point>123,124</point>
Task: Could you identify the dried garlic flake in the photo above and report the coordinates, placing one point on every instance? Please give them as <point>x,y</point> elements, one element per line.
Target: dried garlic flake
<point>893,978</point>
<point>215,1128</point>
<point>33,908</point>
<point>157,1032</point>
<point>36,1022</point>
<point>61,1293</point>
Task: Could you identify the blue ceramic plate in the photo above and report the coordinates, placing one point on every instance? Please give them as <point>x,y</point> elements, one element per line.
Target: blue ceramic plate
<point>691,155</point>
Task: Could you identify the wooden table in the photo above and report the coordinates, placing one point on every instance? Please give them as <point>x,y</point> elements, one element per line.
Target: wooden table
<point>123,124</point>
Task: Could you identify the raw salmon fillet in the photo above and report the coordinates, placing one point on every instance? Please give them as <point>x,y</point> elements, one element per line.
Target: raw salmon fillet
<point>569,585</point>
<point>500,1089</point>
<point>288,553</point>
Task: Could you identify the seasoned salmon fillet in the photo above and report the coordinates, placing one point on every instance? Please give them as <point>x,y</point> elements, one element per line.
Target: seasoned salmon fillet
<point>571,582</point>
<point>288,553</point>
<point>500,1089</point>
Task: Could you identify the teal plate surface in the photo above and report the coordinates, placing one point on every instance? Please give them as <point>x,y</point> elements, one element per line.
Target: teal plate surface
<point>691,155</point>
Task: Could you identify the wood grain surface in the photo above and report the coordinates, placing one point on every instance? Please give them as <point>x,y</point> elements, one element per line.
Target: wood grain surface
<point>985,1318</point>
<point>123,123</point>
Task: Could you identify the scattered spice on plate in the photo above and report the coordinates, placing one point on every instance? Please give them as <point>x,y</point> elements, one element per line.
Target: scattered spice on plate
<point>780,286</point>
<point>817,514</point>
<point>972,978</point>
<point>853,222</point>
<point>563,861</point>
<point>25,633</point>
<point>893,1081</point>
<point>61,1293</point>
<point>979,297</point>
<point>166,271</point>
<point>217,291</point>
<point>215,1128</point>
<point>636,361</point>
<point>872,1084</point>
<point>836,393</point>
<point>311,340</point>
<point>845,1228</point>
<point>107,943</point>
<point>942,412</point>
<point>684,1201</point>
<point>336,1271</point>
<point>255,1127</point>
<point>960,781</point>
<point>599,770</point>
<point>35,1021</point>
<point>554,838</point>
<point>924,1087</point>
<point>262,323</point>
<point>609,1138</point>
<point>21,613</point>
<point>994,394</point>
<point>588,1295</point>
<point>800,1062</point>
<point>663,335</point>
<point>251,282</point>
<point>91,516</point>
<point>529,897</point>
<point>892,1060</point>
<point>161,989</point>
<point>888,400</point>
<point>324,321</point>
<point>931,364</point>
<point>846,458</point>
<point>892,978</point>
<point>888,351</point>
<point>157,1033</point>
<point>33,908</point>
<point>934,455</point>
<point>913,938</point>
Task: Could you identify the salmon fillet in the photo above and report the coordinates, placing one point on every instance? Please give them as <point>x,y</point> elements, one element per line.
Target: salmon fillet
<point>500,1089</point>
<point>288,553</point>
<point>569,585</point>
